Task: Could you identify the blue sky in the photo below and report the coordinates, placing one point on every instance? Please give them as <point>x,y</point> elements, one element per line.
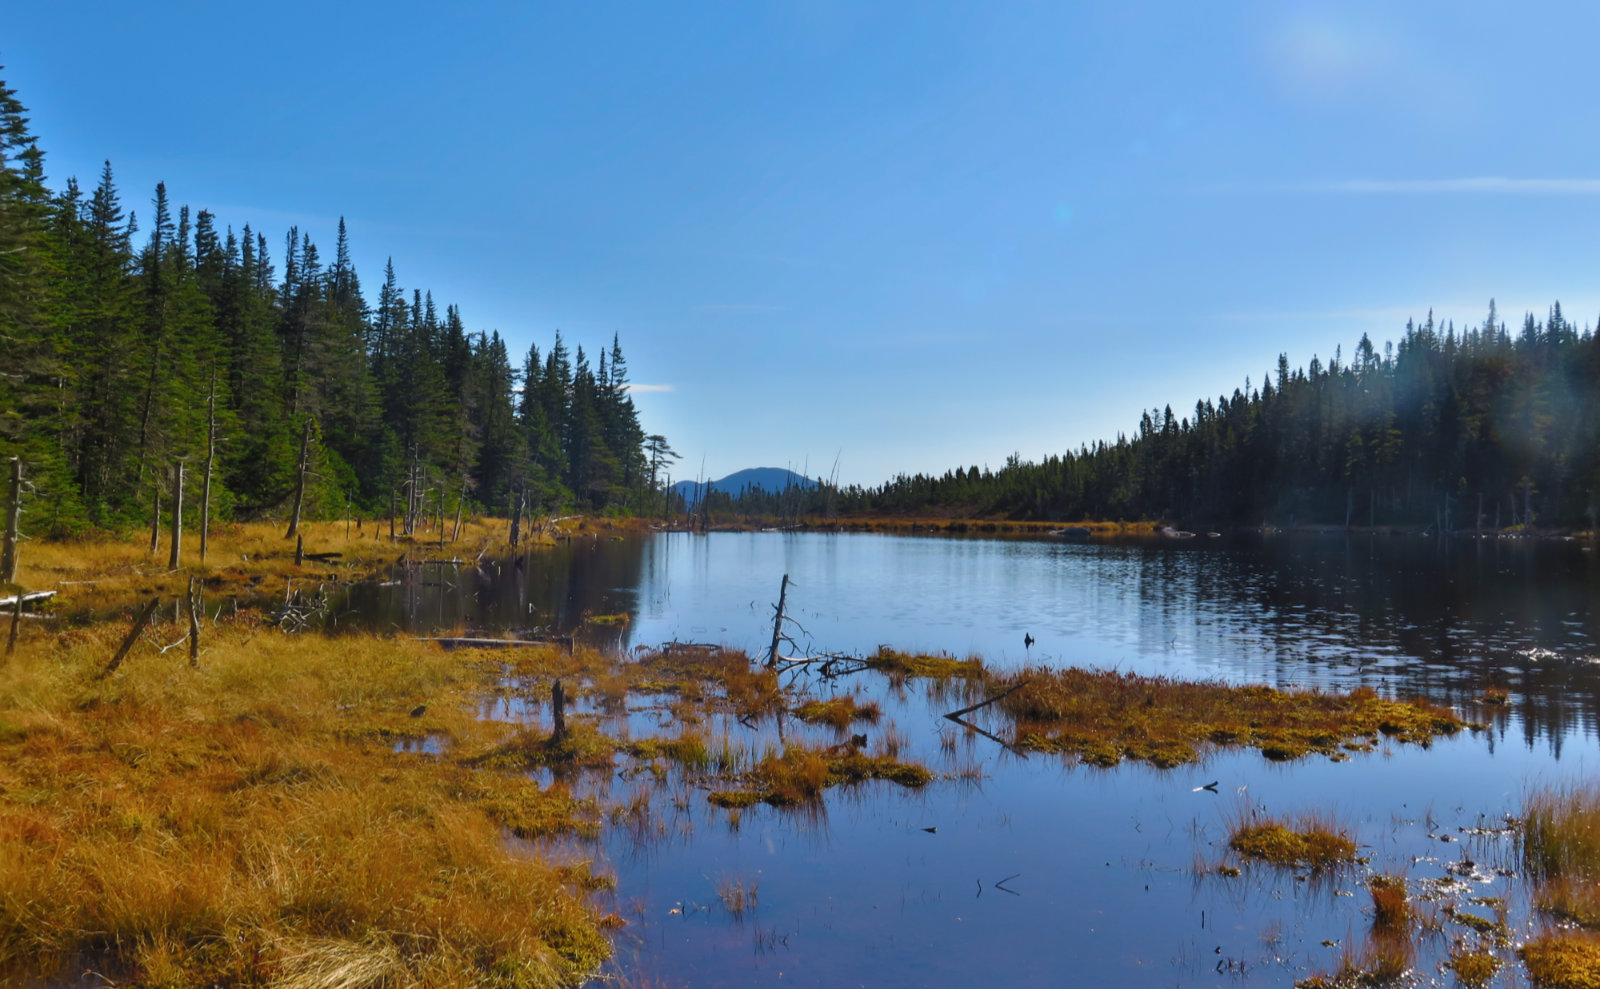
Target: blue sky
<point>913,236</point>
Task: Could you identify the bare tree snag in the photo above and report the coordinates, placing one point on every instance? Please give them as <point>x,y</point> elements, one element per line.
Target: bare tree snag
<point>177,516</point>
<point>558,712</point>
<point>211,461</point>
<point>155,520</point>
<point>133,636</point>
<point>16,623</point>
<point>194,621</point>
<point>8,552</point>
<point>300,484</point>
<point>455,533</point>
<point>777,622</point>
<point>299,550</point>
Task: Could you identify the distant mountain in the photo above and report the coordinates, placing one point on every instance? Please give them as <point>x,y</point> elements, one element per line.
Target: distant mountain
<point>773,479</point>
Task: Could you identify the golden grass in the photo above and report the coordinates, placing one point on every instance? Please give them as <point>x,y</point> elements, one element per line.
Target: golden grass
<point>746,690</point>
<point>1473,966</point>
<point>1561,833</point>
<point>103,572</point>
<point>249,821</point>
<point>799,774</point>
<point>1575,900</point>
<point>839,712</point>
<point>1563,960</point>
<point>1103,717</point>
<point>1391,907</point>
<point>1310,840</point>
<point>922,665</point>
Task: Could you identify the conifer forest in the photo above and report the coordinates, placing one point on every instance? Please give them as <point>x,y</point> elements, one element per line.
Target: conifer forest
<point>136,339</point>
<point>1452,429</point>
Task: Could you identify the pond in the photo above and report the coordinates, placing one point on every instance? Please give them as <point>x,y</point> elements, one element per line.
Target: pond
<point>1037,871</point>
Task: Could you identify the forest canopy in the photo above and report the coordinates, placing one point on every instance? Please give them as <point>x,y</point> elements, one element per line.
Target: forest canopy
<point>126,352</point>
<point>1460,430</point>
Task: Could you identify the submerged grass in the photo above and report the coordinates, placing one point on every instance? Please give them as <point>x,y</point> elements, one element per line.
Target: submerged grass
<point>1103,717</point>
<point>248,821</point>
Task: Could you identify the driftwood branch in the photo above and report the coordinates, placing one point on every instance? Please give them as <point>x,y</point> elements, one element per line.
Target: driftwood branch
<point>959,717</point>
<point>1002,695</point>
<point>133,636</point>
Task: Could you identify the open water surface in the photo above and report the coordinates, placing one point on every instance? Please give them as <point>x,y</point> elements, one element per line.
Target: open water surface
<point>1037,872</point>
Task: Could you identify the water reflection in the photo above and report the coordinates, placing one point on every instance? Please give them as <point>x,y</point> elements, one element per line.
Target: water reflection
<point>1443,619</point>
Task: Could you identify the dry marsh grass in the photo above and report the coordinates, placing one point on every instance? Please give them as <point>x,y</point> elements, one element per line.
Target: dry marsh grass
<point>839,712</point>
<point>1473,966</point>
<point>1309,840</point>
<point>1391,906</point>
<point>248,821</point>
<point>106,571</point>
<point>1561,833</point>
<point>799,774</point>
<point>1102,717</point>
<point>1563,960</point>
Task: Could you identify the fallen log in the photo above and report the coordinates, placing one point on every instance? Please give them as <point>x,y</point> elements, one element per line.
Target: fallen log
<point>12,601</point>
<point>133,636</point>
<point>464,642</point>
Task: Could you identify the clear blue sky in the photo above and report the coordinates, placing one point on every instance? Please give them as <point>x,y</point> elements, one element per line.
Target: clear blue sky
<point>913,235</point>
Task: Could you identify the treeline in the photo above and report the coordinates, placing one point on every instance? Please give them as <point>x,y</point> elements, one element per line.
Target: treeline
<point>124,354</point>
<point>1479,428</point>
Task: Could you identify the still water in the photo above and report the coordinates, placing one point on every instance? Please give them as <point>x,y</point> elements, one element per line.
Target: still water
<point>1037,872</point>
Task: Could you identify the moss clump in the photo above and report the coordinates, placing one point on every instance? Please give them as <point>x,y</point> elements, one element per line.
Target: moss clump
<point>1103,717</point>
<point>925,666</point>
<point>582,745</point>
<point>800,774</point>
<point>1311,842</point>
<point>688,749</point>
<point>839,712</point>
<point>1473,968</point>
<point>1563,960</point>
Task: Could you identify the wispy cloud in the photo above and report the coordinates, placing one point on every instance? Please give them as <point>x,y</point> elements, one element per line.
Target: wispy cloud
<point>633,386</point>
<point>736,308</point>
<point>1495,185</point>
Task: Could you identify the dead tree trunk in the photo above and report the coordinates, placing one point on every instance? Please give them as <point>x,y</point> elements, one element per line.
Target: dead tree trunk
<point>558,712</point>
<point>194,622</point>
<point>155,520</point>
<point>177,516</point>
<point>211,462</point>
<point>455,533</point>
<point>8,551</point>
<point>300,484</point>
<point>132,637</point>
<point>16,623</point>
<point>777,622</point>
